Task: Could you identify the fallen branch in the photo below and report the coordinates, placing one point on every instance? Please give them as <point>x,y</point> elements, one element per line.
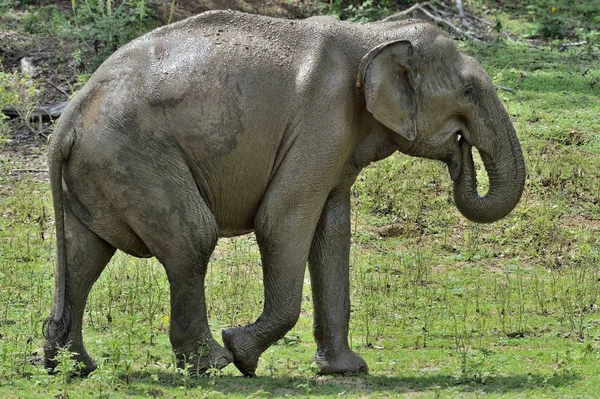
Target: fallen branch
<point>51,112</point>
<point>402,14</point>
<point>564,46</point>
<point>443,14</point>
<point>438,20</point>
<point>508,89</point>
<point>439,4</point>
<point>57,88</point>
<point>16,171</point>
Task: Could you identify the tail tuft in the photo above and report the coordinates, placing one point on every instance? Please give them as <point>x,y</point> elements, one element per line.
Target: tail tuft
<point>57,331</point>
<point>56,334</point>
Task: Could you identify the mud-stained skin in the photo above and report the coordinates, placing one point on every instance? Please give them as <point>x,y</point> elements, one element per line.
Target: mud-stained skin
<point>228,123</point>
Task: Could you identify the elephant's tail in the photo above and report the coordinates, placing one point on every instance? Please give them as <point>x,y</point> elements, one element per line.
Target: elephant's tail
<point>57,325</point>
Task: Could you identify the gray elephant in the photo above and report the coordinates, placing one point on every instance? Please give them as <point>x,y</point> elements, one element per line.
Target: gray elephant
<point>228,123</point>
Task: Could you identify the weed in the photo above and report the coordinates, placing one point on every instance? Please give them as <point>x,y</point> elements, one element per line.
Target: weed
<point>106,380</point>
<point>19,91</point>
<point>66,367</point>
<point>103,26</point>
<point>4,130</point>
<point>359,11</point>
<point>308,373</point>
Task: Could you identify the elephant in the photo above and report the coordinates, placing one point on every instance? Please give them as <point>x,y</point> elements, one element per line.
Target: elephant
<point>228,123</point>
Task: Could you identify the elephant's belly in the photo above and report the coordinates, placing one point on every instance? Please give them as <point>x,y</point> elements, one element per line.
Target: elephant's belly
<point>233,233</point>
<point>233,188</point>
<point>235,215</point>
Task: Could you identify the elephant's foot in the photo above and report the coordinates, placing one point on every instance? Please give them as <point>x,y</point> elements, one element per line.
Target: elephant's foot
<point>208,355</point>
<point>340,362</point>
<point>84,364</point>
<point>244,348</point>
<point>60,335</point>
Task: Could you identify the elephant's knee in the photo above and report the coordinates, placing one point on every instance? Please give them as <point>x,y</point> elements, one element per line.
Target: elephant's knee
<point>288,320</point>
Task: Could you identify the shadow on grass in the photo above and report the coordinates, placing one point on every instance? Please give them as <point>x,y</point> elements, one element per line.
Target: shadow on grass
<point>300,386</point>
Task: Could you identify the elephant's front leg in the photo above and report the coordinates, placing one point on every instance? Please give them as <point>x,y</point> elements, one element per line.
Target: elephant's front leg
<point>284,239</point>
<point>329,273</point>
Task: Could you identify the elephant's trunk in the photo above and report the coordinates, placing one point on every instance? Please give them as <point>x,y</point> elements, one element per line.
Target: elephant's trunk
<point>504,164</point>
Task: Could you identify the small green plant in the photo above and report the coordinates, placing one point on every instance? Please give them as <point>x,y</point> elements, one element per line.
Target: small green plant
<point>105,25</point>
<point>308,373</point>
<point>551,23</point>
<point>171,11</point>
<point>66,367</point>
<point>106,379</point>
<point>591,38</point>
<point>360,10</point>
<point>510,298</point>
<point>46,20</point>
<point>4,130</point>
<point>20,92</point>
<point>185,373</point>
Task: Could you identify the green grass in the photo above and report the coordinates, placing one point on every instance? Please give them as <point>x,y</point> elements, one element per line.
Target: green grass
<point>441,307</point>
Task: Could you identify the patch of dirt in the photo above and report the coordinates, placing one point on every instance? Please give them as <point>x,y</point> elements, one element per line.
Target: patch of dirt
<point>25,156</point>
<point>392,230</point>
<point>44,58</point>
<point>584,222</point>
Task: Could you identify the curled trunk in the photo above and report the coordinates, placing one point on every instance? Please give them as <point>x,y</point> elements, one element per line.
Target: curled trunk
<point>504,164</point>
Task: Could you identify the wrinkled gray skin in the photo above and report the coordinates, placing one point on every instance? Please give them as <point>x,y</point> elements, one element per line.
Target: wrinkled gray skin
<point>227,123</point>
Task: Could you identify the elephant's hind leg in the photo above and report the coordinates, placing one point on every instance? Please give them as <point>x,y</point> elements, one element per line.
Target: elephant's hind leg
<point>179,229</point>
<point>87,255</point>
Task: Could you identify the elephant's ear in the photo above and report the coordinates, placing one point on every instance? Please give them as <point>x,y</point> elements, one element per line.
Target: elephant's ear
<point>386,78</point>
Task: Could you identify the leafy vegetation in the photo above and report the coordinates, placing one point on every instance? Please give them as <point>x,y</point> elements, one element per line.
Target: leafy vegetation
<point>110,25</point>
<point>5,99</point>
<point>20,92</point>
<point>441,307</point>
<point>94,28</point>
<point>361,10</point>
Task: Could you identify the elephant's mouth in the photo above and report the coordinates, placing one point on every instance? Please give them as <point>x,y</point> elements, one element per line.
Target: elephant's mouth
<point>453,159</point>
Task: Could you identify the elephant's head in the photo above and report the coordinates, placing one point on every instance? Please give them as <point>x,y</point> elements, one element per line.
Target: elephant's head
<point>441,103</point>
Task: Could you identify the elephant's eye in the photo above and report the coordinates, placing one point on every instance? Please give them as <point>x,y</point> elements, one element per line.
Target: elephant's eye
<point>468,91</point>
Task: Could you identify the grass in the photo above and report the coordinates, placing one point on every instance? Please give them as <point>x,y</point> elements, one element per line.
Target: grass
<point>441,307</point>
